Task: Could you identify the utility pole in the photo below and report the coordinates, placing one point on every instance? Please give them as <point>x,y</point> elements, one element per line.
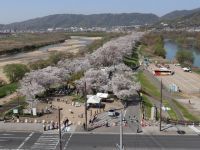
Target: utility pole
<point>120,146</point>
<point>121,132</point>
<point>161,87</point>
<point>60,137</point>
<point>85,96</point>
<point>18,98</point>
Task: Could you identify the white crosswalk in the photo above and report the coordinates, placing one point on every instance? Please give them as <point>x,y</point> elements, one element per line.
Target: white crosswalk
<point>194,129</point>
<point>46,141</point>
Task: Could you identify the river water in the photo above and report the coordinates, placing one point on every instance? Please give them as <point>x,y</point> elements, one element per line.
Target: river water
<point>171,48</point>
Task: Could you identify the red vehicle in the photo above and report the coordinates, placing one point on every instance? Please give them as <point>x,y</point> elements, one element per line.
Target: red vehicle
<point>163,72</point>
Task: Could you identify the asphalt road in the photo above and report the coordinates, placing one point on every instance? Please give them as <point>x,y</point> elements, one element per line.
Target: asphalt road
<point>39,141</point>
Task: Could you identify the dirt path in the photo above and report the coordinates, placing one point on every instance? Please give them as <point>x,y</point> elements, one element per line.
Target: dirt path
<point>7,99</point>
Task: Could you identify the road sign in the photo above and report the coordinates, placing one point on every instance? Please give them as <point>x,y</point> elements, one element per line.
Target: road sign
<point>15,111</point>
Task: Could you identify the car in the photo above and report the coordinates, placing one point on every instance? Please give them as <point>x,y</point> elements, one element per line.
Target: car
<point>111,113</point>
<point>177,64</point>
<point>187,69</point>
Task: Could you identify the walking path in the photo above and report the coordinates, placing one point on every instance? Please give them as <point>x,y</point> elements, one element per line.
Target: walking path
<point>133,117</point>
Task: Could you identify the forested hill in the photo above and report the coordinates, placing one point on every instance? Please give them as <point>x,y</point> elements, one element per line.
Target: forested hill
<point>179,14</point>
<point>78,20</point>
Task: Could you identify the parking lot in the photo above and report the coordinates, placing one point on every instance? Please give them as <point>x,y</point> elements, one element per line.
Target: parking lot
<point>188,82</point>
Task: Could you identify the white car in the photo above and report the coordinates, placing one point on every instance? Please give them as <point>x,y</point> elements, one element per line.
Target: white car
<point>111,113</point>
<point>185,69</point>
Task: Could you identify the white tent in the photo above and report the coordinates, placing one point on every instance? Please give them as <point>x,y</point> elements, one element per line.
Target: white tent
<point>102,95</point>
<point>88,96</point>
<point>94,100</point>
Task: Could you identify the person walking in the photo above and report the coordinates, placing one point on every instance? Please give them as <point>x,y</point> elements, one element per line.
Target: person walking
<point>67,122</point>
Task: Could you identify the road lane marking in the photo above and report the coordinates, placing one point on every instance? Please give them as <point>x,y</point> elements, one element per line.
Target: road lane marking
<point>67,143</point>
<point>12,137</point>
<point>26,139</point>
<point>6,134</point>
<point>195,129</point>
<point>46,141</point>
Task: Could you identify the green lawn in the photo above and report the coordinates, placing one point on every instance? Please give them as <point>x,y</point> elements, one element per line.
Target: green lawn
<point>147,105</point>
<point>171,112</point>
<point>185,112</point>
<point>8,89</point>
<point>147,86</point>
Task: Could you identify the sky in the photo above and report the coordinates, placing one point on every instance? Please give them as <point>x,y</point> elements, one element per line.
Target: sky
<point>19,10</point>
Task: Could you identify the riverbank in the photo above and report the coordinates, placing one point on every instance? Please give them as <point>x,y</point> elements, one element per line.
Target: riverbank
<point>171,48</point>
<point>25,42</point>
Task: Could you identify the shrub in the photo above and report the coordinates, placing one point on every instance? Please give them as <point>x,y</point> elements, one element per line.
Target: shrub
<point>185,57</point>
<point>2,82</point>
<point>159,50</point>
<point>54,58</point>
<point>15,72</point>
<point>40,64</point>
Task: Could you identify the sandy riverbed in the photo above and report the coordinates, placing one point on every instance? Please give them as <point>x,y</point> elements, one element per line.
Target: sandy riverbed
<point>72,45</point>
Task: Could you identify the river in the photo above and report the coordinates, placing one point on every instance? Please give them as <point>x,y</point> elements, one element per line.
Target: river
<point>171,48</point>
<point>72,45</point>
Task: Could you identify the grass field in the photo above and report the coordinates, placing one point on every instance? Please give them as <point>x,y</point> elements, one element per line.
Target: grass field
<point>147,85</point>
<point>28,41</point>
<point>185,112</point>
<point>8,89</point>
<point>171,112</point>
<point>147,104</point>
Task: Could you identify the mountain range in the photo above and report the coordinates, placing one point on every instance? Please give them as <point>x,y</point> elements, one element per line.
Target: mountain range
<point>179,14</point>
<point>183,17</point>
<point>78,20</point>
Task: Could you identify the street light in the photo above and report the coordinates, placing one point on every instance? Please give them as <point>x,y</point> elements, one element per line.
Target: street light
<point>60,137</point>
<point>85,96</point>
<point>161,87</point>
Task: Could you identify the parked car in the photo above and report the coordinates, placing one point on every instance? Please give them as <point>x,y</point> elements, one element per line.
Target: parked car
<point>111,113</point>
<point>187,69</point>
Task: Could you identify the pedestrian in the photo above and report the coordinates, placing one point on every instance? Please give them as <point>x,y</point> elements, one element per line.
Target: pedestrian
<point>84,126</point>
<point>65,123</point>
<point>56,125</point>
<point>44,127</point>
<point>107,123</point>
<point>189,102</point>
<point>90,121</point>
<point>53,125</point>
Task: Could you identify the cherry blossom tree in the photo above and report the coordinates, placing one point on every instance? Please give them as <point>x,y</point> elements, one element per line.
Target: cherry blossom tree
<point>104,71</point>
<point>124,88</point>
<point>75,65</point>
<point>36,82</point>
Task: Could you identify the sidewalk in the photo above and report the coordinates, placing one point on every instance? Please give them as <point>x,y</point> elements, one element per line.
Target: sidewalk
<point>169,130</point>
<point>37,127</point>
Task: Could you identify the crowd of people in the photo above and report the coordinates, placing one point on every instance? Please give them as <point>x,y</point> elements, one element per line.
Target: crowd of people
<point>55,125</point>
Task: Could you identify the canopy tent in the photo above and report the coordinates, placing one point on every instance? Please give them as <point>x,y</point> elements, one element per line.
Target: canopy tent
<point>94,100</point>
<point>102,95</point>
<point>88,96</point>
